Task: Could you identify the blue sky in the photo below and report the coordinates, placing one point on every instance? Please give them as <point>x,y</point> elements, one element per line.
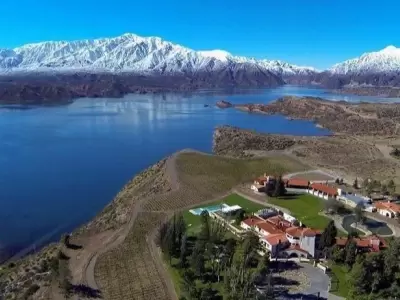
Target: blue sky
<point>306,32</point>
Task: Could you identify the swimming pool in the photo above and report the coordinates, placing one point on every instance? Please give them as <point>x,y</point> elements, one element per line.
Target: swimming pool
<point>213,208</point>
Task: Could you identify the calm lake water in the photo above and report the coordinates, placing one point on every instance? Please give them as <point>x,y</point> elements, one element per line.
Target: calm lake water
<point>59,166</point>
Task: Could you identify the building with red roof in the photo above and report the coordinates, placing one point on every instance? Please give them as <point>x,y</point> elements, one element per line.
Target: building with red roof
<point>388,209</point>
<point>323,191</point>
<point>278,235</point>
<point>371,243</point>
<point>249,223</point>
<point>297,183</point>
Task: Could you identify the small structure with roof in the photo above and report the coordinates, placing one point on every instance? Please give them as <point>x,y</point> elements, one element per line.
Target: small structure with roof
<point>267,213</point>
<point>297,183</point>
<point>388,209</point>
<point>263,183</point>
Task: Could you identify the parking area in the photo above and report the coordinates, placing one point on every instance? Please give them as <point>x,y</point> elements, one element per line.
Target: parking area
<point>307,282</point>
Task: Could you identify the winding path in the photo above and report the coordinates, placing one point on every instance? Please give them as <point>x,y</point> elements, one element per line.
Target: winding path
<point>170,169</point>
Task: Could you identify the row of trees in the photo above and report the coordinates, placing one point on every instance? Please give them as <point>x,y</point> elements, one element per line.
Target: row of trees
<point>370,186</point>
<point>211,258</point>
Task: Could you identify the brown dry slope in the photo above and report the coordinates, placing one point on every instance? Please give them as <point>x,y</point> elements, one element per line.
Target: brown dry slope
<point>347,155</point>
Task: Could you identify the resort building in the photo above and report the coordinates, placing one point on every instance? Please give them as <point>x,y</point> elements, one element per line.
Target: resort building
<point>322,191</point>
<point>388,209</point>
<point>281,238</point>
<point>371,243</point>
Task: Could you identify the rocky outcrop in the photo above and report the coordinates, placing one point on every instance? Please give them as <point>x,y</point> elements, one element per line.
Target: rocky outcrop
<point>223,104</point>
<point>60,88</point>
<point>339,117</point>
<point>228,140</point>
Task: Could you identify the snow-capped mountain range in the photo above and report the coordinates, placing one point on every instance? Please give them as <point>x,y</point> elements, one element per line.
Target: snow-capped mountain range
<point>386,60</point>
<point>131,53</point>
<point>136,54</point>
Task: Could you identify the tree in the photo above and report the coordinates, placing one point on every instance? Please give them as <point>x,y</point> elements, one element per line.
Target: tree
<point>207,293</point>
<point>205,226</point>
<point>183,252</point>
<point>199,265</point>
<point>229,250</point>
<point>351,251</point>
<point>358,278</point>
<point>359,213</point>
<point>280,189</point>
<point>169,242</point>
<point>338,254</point>
<point>328,236</point>
<point>384,189</point>
<point>355,183</point>
<point>262,269</point>
<point>369,189</point>
<point>251,244</point>
<point>188,283</point>
<point>180,228</point>
<point>239,216</point>
<point>391,187</point>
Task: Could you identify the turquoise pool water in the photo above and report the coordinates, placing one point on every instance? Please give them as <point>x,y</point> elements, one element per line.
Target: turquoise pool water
<point>213,208</point>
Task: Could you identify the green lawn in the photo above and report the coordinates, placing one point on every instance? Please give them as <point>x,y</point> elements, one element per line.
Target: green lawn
<point>305,208</point>
<point>193,221</point>
<point>339,281</point>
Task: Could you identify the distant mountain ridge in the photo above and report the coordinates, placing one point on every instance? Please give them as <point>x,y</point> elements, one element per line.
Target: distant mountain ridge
<point>132,53</point>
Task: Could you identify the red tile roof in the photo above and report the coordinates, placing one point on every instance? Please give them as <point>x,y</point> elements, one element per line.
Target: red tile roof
<point>269,228</point>
<point>298,182</point>
<point>252,221</point>
<point>373,242</point>
<point>388,206</point>
<point>279,221</point>
<point>324,188</point>
<point>275,239</point>
<point>294,231</point>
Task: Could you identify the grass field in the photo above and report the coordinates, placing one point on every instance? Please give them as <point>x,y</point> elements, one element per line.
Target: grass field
<point>193,221</point>
<point>203,177</point>
<point>305,208</point>
<point>339,280</point>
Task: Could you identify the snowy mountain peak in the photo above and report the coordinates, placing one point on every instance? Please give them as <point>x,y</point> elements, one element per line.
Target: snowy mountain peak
<point>390,49</point>
<point>217,54</point>
<point>386,60</point>
<point>130,53</point>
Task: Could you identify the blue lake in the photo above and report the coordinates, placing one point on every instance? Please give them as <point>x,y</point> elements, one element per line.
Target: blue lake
<point>59,166</point>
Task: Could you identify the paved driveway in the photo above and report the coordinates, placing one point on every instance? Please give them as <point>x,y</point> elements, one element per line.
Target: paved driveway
<point>319,283</point>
